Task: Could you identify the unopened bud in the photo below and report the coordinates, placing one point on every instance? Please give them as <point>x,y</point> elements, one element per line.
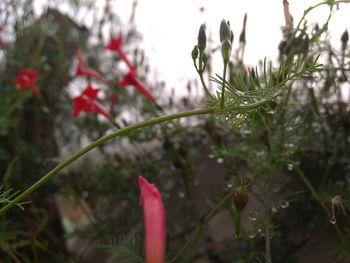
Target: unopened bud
<point>225,31</point>
<point>240,198</point>
<point>226,50</point>
<point>204,58</point>
<point>202,38</point>
<point>194,53</point>
<point>345,37</point>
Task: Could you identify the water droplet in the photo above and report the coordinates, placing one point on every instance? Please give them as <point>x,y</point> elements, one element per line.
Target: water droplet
<point>239,93</point>
<point>220,160</point>
<point>270,112</point>
<point>333,220</point>
<point>283,203</point>
<point>252,216</point>
<point>229,185</point>
<point>290,167</point>
<point>182,195</point>
<point>211,156</point>
<point>226,118</point>
<point>259,230</point>
<point>251,234</point>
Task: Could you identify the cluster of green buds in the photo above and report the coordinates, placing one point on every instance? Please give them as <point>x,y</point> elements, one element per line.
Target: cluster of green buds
<point>226,39</point>
<point>198,50</point>
<point>198,53</point>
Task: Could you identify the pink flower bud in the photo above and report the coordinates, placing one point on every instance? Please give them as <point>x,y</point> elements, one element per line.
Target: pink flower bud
<point>154,214</point>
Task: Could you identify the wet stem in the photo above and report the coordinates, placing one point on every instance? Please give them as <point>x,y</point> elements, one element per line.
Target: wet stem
<point>95,144</point>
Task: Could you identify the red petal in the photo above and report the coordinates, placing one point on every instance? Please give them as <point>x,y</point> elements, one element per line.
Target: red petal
<point>90,92</point>
<point>129,79</point>
<point>115,44</point>
<point>27,78</point>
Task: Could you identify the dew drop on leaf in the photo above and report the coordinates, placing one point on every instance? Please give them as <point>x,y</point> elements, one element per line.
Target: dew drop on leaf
<point>283,203</point>
<point>333,220</point>
<point>252,216</point>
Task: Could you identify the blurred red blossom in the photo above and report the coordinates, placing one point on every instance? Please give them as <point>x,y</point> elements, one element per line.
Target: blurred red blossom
<point>2,43</point>
<point>132,80</point>
<point>116,45</point>
<point>27,78</point>
<point>154,217</point>
<point>86,102</point>
<point>83,71</point>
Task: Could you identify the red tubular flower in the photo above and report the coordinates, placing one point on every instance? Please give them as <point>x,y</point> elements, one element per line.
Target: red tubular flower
<point>27,78</point>
<point>83,71</point>
<point>116,45</point>
<point>86,103</point>
<point>154,214</point>
<point>132,79</point>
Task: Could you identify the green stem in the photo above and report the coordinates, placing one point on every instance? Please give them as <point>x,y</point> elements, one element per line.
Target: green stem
<point>93,145</point>
<point>223,86</point>
<point>317,197</point>
<point>307,11</point>
<point>238,226</point>
<point>201,71</point>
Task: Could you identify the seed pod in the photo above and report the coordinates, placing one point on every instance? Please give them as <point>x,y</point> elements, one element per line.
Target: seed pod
<point>202,38</point>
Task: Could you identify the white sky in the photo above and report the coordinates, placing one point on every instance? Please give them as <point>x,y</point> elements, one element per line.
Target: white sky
<point>170,28</point>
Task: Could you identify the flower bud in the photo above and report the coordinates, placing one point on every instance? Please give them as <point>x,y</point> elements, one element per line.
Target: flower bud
<point>240,198</point>
<point>225,31</point>
<point>344,38</point>
<point>204,58</point>
<point>202,38</point>
<point>194,53</point>
<point>226,50</point>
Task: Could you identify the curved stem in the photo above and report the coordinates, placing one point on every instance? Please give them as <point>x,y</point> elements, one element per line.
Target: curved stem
<point>307,11</point>
<point>201,71</point>
<point>93,145</point>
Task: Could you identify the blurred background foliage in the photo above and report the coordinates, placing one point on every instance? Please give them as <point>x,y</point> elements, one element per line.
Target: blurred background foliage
<point>292,155</point>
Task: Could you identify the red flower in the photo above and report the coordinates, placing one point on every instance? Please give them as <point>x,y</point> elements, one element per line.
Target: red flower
<point>83,71</point>
<point>132,79</point>
<point>116,45</point>
<point>154,214</point>
<point>86,103</point>
<point>2,43</point>
<point>27,78</point>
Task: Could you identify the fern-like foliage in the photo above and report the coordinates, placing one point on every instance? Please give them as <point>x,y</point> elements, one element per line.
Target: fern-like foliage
<point>248,91</point>
<point>126,250</point>
<point>6,196</point>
